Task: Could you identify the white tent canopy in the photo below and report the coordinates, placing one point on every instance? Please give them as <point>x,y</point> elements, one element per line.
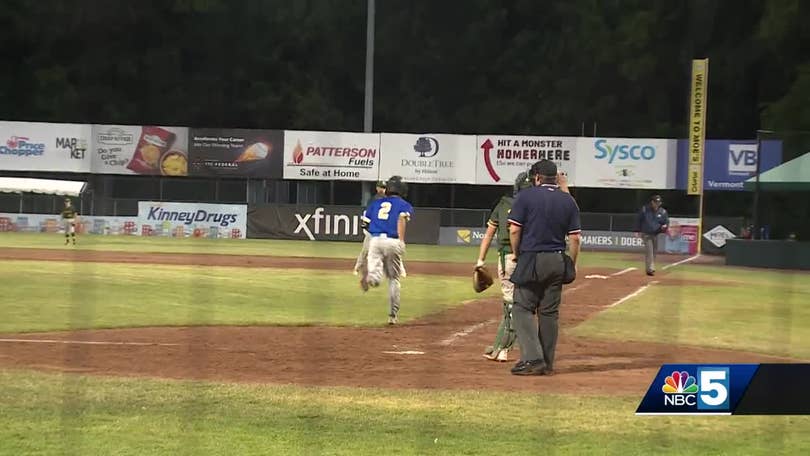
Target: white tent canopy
<point>46,186</point>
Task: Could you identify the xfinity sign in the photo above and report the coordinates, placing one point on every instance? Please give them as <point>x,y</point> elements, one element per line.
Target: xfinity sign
<point>320,223</point>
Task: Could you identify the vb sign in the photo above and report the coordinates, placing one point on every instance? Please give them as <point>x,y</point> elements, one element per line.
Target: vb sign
<point>742,159</point>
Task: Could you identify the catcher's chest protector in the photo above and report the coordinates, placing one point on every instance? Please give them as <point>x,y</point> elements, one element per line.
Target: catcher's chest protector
<point>503,220</point>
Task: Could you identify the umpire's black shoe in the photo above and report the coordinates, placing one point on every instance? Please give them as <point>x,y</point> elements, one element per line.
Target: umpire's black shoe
<point>533,367</point>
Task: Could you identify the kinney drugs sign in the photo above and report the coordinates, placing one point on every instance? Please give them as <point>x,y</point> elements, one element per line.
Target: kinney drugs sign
<point>168,217</point>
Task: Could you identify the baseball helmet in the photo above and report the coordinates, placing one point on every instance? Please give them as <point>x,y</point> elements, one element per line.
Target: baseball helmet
<point>523,181</point>
<point>395,186</point>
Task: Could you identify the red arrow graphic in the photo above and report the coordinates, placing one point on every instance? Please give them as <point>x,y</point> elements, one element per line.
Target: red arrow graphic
<point>487,146</point>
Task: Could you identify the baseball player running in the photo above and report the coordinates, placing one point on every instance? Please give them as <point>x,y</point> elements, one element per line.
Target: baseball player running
<point>69,222</point>
<point>498,226</point>
<point>387,218</point>
<point>361,265</point>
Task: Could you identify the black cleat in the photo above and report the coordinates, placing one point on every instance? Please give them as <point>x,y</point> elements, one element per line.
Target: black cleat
<point>533,367</point>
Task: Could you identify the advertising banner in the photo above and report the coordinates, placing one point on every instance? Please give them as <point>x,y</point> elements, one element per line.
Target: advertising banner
<point>36,146</point>
<point>626,163</point>
<point>729,163</point>
<point>236,153</point>
<point>50,223</point>
<point>322,155</point>
<point>448,159</point>
<point>459,235</point>
<point>697,125</point>
<point>331,223</point>
<point>129,149</point>
<point>502,158</point>
<point>681,237</point>
<point>192,219</point>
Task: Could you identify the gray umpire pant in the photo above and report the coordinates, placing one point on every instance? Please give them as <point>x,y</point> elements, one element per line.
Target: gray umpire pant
<point>539,341</point>
<point>650,249</point>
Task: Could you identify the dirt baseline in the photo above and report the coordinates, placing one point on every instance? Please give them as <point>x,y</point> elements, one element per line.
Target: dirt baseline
<point>441,351</point>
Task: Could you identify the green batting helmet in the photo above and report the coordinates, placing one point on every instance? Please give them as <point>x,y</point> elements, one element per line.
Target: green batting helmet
<point>523,181</point>
<point>395,186</point>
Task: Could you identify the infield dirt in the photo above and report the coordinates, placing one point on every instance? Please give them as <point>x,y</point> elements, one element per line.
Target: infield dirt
<point>445,349</point>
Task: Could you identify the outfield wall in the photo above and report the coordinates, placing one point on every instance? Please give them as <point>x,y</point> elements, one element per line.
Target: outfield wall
<point>342,223</point>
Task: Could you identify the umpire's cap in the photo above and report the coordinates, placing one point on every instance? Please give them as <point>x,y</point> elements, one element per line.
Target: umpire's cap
<point>545,168</point>
<point>656,199</point>
<point>395,186</point>
<point>380,184</point>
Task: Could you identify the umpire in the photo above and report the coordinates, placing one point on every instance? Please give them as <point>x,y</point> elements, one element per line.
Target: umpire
<point>541,218</point>
<point>652,220</point>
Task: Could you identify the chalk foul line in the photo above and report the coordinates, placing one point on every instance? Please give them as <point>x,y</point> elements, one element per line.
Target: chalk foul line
<point>633,294</point>
<point>623,271</point>
<point>465,332</point>
<point>405,352</point>
<point>672,265</point>
<point>84,342</point>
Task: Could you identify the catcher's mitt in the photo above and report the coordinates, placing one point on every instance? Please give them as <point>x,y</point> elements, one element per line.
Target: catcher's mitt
<point>482,279</point>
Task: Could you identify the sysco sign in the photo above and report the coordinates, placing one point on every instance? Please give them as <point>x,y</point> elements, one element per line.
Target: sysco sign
<point>613,152</point>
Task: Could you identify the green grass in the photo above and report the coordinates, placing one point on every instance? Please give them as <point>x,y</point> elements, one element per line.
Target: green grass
<point>314,249</point>
<point>42,296</point>
<point>67,414</point>
<point>758,311</point>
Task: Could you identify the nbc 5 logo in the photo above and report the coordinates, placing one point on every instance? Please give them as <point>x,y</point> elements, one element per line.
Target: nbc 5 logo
<point>708,391</point>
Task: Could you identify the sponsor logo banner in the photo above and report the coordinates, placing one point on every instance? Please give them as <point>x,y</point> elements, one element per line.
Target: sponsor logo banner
<point>697,125</point>
<point>428,158</point>
<point>626,163</point>
<point>331,155</point>
<point>502,158</point>
<point>729,163</point>
<point>681,237</point>
<point>330,223</point>
<point>718,236</point>
<point>236,152</point>
<point>458,235</point>
<point>192,219</point>
<point>129,149</point>
<point>35,146</point>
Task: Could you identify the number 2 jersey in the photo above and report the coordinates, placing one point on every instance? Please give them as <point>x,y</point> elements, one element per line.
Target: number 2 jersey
<point>382,215</point>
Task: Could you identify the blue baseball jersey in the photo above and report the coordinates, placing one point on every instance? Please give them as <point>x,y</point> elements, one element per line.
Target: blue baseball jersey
<point>547,215</point>
<point>382,215</point>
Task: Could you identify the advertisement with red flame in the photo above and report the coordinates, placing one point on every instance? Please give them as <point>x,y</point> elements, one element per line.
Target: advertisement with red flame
<point>322,155</point>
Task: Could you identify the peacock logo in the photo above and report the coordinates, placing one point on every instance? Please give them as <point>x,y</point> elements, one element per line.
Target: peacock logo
<point>680,383</point>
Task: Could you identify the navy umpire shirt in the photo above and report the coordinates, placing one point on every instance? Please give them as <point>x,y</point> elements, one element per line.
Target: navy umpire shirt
<point>546,215</point>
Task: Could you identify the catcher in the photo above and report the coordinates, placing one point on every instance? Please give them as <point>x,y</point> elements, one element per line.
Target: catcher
<point>498,226</point>
<point>69,222</point>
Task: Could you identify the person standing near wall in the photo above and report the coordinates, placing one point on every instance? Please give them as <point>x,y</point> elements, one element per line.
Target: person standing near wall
<point>652,220</point>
